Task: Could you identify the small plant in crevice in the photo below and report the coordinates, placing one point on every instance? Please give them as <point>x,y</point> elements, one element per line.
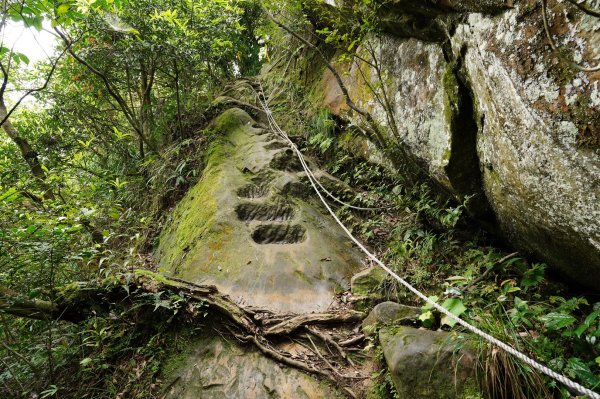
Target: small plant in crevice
<point>321,133</point>
<point>383,386</point>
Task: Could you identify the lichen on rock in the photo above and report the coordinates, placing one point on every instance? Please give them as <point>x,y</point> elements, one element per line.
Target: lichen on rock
<point>497,118</point>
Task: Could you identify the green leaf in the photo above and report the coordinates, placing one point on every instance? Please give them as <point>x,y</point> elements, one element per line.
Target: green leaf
<point>75,228</point>
<point>557,321</point>
<point>85,361</point>
<point>10,195</point>
<point>587,323</point>
<point>454,306</point>
<point>62,9</point>
<point>427,306</point>
<point>19,57</point>
<point>579,369</point>
<point>51,391</point>
<point>427,319</point>
<point>37,23</point>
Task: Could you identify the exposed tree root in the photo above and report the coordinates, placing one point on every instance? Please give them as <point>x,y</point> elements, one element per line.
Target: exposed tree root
<point>326,338</point>
<point>291,324</point>
<point>260,327</point>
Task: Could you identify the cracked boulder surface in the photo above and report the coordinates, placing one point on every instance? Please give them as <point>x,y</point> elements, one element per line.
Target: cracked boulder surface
<point>495,115</point>
<point>241,228</point>
<point>216,369</point>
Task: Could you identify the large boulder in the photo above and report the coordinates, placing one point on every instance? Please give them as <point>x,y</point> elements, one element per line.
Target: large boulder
<point>389,313</point>
<point>428,364</point>
<point>536,129</point>
<point>494,115</point>
<point>430,106</point>
<point>243,229</point>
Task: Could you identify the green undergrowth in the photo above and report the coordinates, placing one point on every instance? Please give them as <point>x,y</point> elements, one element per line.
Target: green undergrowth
<point>130,352</point>
<point>119,355</point>
<point>434,246</point>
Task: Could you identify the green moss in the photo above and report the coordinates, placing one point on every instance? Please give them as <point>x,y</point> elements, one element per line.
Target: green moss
<point>70,292</point>
<point>447,154</point>
<point>154,276</point>
<point>177,357</point>
<point>564,73</point>
<point>451,99</point>
<point>230,120</point>
<point>471,390</point>
<point>197,209</point>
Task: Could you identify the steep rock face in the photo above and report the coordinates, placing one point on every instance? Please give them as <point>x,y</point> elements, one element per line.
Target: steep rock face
<point>431,108</point>
<point>544,187</point>
<point>414,72</point>
<point>248,228</point>
<point>494,115</point>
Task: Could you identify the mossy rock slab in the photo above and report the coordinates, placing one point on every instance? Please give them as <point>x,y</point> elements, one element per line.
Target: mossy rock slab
<point>389,313</point>
<point>426,364</point>
<point>239,230</point>
<point>367,282</point>
<point>216,369</point>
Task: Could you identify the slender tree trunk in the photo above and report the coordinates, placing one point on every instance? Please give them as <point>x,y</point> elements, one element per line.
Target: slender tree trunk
<point>178,97</point>
<point>28,153</point>
<point>146,117</point>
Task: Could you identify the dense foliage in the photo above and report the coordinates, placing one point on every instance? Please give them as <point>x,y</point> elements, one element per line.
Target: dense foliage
<point>110,136</point>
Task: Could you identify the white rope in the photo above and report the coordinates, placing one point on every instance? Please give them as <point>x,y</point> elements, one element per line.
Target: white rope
<point>579,389</point>
<point>272,123</point>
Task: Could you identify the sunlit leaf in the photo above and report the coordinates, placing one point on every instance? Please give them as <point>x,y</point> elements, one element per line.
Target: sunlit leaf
<point>454,306</point>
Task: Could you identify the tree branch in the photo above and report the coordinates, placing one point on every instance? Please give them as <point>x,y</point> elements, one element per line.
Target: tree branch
<point>109,87</point>
<point>30,91</point>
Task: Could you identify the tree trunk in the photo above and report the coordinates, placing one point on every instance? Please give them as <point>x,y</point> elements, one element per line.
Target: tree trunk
<point>178,97</point>
<point>146,117</point>
<point>28,153</point>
